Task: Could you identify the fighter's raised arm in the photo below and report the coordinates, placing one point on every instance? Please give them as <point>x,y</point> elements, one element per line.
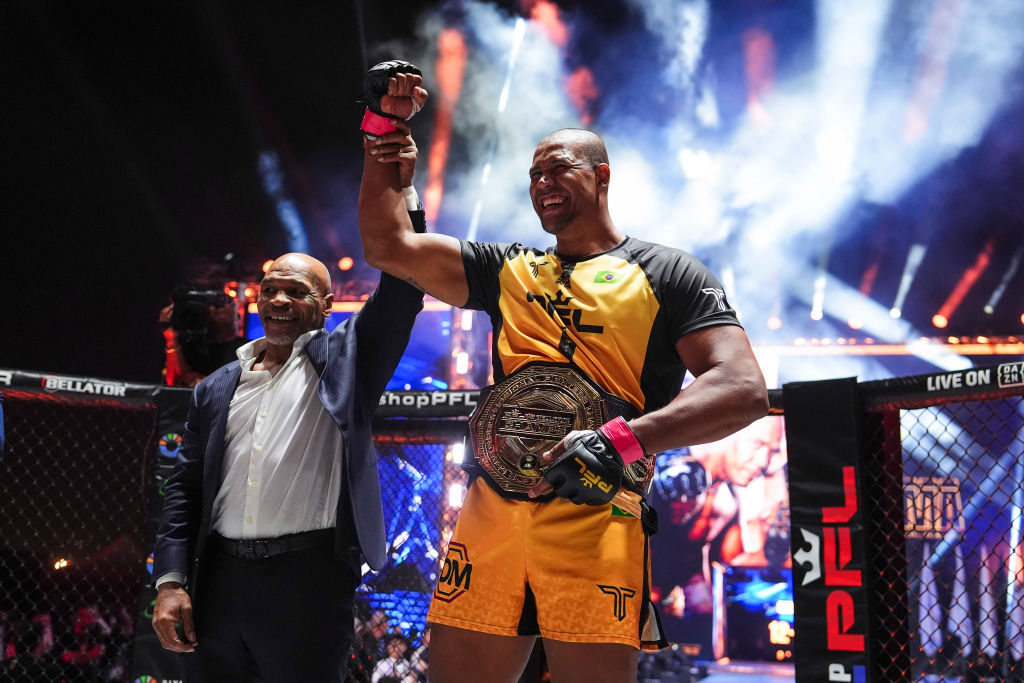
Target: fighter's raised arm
<point>432,262</point>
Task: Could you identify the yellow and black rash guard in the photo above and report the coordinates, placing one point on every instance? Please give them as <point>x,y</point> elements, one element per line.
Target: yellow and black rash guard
<point>615,315</point>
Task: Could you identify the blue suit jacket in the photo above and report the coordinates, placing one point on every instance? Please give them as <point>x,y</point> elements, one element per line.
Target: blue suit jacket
<point>354,363</point>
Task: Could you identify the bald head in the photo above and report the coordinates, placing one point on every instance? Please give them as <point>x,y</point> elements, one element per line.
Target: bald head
<point>587,145</point>
<point>315,270</point>
<point>295,297</point>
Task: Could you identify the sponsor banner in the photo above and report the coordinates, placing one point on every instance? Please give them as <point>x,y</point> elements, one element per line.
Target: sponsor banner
<point>457,403</point>
<point>1005,378</point>
<point>71,385</point>
<point>828,535</point>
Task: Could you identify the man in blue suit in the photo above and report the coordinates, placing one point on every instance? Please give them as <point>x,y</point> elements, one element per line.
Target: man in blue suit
<point>274,498</point>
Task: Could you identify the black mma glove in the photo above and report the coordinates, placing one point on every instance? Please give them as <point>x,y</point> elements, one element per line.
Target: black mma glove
<point>589,472</point>
<point>375,86</point>
<point>683,486</point>
<point>684,480</point>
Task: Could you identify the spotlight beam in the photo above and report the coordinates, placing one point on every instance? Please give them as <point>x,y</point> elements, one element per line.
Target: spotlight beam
<point>914,258</point>
<point>964,285</point>
<point>844,301</point>
<point>993,301</point>
<point>517,41</point>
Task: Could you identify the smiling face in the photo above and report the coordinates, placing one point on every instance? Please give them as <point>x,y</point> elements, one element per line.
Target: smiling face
<point>568,179</point>
<point>295,297</point>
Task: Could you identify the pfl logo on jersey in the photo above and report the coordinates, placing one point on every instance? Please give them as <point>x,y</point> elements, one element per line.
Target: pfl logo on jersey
<point>455,574</point>
<point>590,480</point>
<point>563,310</point>
<point>619,595</point>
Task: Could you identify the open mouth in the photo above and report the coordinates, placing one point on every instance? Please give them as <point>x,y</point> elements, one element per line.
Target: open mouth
<point>551,202</point>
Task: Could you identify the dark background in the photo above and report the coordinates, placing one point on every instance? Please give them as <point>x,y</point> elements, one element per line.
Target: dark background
<point>131,137</point>
<point>131,133</point>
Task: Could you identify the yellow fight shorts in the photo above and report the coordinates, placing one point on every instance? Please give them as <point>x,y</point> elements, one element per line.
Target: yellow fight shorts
<point>576,573</point>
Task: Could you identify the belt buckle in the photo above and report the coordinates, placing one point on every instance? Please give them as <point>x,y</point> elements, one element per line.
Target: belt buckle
<point>251,550</point>
<point>525,415</point>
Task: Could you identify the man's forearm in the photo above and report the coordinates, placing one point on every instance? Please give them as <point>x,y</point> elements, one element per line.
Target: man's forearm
<point>715,405</point>
<point>382,210</point>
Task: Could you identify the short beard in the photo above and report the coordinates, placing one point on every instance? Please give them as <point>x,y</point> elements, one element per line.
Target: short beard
<point>280,340</point>
<point>556,227</point>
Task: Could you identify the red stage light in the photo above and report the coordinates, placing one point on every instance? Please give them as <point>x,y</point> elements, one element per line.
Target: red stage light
<point>345,263</point>
<point>266,264</point>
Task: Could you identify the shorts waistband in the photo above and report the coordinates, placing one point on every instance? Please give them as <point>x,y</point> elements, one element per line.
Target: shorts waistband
<point>261,548</point>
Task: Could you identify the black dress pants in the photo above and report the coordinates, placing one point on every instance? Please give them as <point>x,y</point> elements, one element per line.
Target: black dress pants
<point>279,619</point>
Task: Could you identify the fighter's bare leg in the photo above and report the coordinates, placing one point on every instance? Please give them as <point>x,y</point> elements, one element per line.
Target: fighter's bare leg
<point>458,655</point>
<point>589,662</point>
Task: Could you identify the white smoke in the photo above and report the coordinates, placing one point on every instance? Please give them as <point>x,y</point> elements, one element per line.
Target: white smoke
<point>762,197</point>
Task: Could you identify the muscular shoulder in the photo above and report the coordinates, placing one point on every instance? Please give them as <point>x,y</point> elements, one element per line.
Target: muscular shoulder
<point>683,283</point>
<point>658,259</point>
<point>496,252</point>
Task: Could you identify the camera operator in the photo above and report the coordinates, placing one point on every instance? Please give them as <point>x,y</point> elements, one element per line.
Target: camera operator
<point>200,334</point>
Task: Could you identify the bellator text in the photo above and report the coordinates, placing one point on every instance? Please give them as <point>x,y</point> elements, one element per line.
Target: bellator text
<point>54,383</point>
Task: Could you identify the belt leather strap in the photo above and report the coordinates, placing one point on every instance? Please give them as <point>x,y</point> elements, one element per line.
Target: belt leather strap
<point>262,548</point>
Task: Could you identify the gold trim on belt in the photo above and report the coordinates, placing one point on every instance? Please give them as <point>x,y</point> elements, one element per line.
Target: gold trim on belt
<point>529,412</point>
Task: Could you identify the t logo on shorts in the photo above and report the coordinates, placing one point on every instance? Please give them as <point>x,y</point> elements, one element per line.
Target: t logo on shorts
<point>455,574</point>
<point>620,594</point>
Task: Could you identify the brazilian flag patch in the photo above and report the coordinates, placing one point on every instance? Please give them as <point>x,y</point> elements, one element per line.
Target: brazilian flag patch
<point>619,512</point>
<point>607,276</point>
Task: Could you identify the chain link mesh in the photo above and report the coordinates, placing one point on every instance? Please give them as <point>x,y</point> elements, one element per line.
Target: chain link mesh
<point>953,475</point>
<point>72,519</point>
<point>945,529</point>
<point>419,520</point>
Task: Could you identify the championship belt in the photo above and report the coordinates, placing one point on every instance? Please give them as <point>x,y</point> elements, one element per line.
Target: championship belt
<point>528,412</point>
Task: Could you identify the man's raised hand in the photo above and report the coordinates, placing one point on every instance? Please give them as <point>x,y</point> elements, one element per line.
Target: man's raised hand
<point>391,90</point>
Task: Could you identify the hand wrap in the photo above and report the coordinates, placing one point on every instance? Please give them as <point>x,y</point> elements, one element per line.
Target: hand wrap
<point>375,86</point>
<point>590,470</point>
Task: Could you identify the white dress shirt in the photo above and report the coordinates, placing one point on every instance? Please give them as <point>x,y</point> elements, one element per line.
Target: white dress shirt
<point>282,451</point>
<point>281,472</point>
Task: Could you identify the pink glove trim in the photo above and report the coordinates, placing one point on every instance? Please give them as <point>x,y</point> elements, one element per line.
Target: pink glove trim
<point>623,440</point>
<point>375,124</point>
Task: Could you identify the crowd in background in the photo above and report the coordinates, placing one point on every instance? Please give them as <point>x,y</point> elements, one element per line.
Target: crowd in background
<point>382,653</point>
<point>90,646</point>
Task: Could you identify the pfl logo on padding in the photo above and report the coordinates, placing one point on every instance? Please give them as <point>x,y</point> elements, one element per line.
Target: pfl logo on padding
<point>455,574</point>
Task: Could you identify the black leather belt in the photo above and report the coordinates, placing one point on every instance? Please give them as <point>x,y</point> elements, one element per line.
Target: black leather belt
<point>261,548</point>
